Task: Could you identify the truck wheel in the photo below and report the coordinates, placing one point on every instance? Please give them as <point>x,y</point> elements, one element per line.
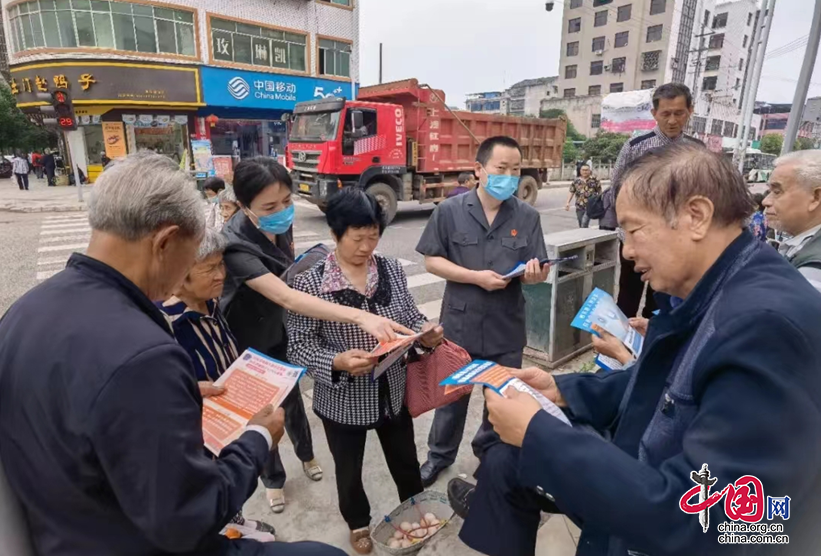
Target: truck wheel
<point>528,190</point>
<point>386,196</point>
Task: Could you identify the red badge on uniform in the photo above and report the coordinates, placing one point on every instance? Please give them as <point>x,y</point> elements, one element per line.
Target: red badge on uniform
<point>514,233</point>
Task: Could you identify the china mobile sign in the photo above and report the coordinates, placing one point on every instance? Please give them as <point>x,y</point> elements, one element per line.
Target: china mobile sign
<point>248,89</point>
<point>744,505</point>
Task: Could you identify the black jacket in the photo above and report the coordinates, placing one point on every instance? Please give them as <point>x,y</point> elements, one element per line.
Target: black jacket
<point>101,424</point>
<point>754,409</point>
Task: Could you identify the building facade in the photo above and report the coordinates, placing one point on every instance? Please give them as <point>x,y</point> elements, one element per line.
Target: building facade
<point>155,75</point>
<point>522,99</point>
<point>493,102</point>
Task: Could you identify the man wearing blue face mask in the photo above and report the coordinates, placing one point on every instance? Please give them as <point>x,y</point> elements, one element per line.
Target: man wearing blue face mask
<point>472,240</point>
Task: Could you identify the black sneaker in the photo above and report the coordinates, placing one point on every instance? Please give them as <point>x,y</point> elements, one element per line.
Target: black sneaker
<point>430,473</point>
<point>460,493</point>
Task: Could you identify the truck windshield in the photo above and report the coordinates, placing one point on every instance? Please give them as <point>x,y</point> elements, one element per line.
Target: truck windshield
<point>315,127</point>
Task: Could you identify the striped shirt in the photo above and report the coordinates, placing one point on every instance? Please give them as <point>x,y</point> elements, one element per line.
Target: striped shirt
<point>206,338</point>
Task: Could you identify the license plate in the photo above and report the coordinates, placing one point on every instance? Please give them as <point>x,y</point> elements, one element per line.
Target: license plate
<point>305,187</point>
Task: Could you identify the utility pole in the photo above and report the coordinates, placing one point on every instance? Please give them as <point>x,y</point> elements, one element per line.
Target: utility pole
<point>380,63</point>
<point>768,10</point>
<point>797,111</point>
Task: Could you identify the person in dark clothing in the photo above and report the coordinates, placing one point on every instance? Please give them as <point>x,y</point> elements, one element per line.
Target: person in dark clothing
<point>260,249</point>
<point>467,182</point>
<point>101,425</point>
<point>728,382</point>
<point>49,165</point>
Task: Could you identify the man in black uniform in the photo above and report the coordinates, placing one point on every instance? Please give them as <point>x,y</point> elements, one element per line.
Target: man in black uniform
<point>472,240</point>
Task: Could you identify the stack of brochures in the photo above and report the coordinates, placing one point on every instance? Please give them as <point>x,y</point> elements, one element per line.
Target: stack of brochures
<point>600,309</point>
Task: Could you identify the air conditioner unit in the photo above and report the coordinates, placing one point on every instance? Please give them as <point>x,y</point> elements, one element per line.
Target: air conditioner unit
<point>608,67</point>
<point>598,52</point>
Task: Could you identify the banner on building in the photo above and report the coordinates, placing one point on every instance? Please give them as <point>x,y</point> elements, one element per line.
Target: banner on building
<point>627,112</point>
<point>223,167</point>
<point>203,159</point>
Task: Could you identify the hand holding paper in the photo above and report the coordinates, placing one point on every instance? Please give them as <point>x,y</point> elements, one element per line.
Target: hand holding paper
<point>600,310</point>
<point>511,414</point>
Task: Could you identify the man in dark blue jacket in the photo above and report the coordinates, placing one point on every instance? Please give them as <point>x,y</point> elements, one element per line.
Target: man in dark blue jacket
<point>100,414</point>
<point>729,378</point>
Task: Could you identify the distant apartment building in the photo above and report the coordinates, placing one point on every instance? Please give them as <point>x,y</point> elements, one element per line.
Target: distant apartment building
<point>812,110</point>
<point>775,117</point>
<point>522,99</point>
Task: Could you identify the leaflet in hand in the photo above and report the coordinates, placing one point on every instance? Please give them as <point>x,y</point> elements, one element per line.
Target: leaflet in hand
<point>499,379</point>
<point>519,269</point>
<point>252,382</point>
<point>600,308</point>
<point>390,352</point>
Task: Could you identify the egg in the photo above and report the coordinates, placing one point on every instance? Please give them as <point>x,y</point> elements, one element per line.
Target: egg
<point>398,535</point>
<point>405,543</point>
<point>405,526</point>
<point>420,533</point>
<point>395,544</point>
<point>433,522</point>
<point>429,517</point>
<point>415,526</point>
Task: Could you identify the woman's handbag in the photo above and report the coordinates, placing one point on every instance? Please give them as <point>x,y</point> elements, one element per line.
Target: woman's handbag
<point>426,371</point>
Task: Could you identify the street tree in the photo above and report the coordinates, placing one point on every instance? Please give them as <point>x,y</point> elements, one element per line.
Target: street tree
<point>605,146</point>
<point>804,144</point>
<point>772,143</point>
<point>16,131</point>
<point>571,151</point>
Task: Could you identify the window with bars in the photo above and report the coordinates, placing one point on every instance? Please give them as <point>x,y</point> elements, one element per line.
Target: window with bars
<point>717,41</point>
<point>729,129</point>
<point>334,58</point>
<point>255,45</point>
<point>596,68</point>
<point>709,83</point>
<point>648,84</point>
<point>572,49</point>
<point>617,87</point>
<point>594,90</point>
<point>574,25</point>
<point>569,93</point>
<point>102,24</point>
<point>658,6</point>
<point>597,3</point>
<point>717,127</point>
<point>749,19</point>
<point>622,39</point>
<point>570,71</point>
<point>575,4</point>
<point>744,43</point>
<point>706,18</point>
<point>698,124</point>
<point>741,64</point>
<point>654,33</point>
<point>713,63</point>
<point>720,21</point>
<point>650,60</point>
<point>598,44</point>
<point>600,19</point>
<point>595,121</point>
<point>618,65</point>
<point>624,13</point>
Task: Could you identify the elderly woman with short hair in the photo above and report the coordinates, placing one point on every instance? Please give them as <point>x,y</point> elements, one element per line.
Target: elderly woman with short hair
<point>347,399</point>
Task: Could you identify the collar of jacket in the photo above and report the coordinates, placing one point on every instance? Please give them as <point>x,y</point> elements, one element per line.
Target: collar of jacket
<point>477,211</point>
<point>699,300</point>
<point>104,273</point>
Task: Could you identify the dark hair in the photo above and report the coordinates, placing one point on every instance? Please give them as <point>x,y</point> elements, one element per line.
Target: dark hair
<point>662,180</point>
<point>253,175</point>
<point>214,184</point>
<point>465,177</point>
<point>758,201</point>
<point>353,208</point>
<point>486,148</point>
<point>671,91</point>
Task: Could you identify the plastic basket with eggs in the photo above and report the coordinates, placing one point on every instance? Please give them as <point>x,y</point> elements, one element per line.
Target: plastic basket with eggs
<point>410,526</point>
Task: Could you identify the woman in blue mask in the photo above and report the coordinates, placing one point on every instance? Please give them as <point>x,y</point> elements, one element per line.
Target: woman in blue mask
<point>255,300</point>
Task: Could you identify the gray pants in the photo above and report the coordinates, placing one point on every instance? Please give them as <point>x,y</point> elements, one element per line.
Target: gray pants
<point>584,220</point>
<point>449,422</point>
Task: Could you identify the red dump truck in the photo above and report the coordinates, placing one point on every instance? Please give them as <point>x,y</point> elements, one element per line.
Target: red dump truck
<point>401,142</point>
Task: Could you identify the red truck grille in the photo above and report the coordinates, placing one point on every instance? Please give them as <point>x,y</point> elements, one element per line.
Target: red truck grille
<point>306,161</point>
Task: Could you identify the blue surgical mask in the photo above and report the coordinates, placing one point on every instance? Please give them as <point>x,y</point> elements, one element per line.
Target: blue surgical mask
<point>277,223</point>
<point>501,187</point>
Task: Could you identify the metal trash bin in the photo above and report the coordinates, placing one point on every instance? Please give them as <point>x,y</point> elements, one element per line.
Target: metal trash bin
<point>551,306</point>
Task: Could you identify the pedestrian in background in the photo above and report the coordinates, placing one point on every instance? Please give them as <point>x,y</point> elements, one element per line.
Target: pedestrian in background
<point>471,241</point>
<point>37,163</point>
<point>213,216</point>
<point>346,397</point>
<point>467,182</point>
<point>583,187</point>
<point>20,167</point>
<point>228,203</point>
<point>50,166</point>
<point>758,221</point>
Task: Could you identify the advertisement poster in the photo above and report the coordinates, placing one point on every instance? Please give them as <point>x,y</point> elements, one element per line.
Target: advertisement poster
<point>114,139</point>
<point>627,112</point>
<point>252,382</point>
<point>223,167</point>
<point>203,161</point>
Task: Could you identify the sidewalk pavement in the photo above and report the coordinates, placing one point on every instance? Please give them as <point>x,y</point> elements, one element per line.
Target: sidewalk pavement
<point>40,197</point>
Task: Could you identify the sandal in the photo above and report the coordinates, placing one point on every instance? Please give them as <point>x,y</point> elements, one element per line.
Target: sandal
<point>276,499</point>
<point>312,470</point>
<point>361,541</point>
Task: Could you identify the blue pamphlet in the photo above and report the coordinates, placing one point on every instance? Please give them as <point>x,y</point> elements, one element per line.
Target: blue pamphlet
<point>519,269</point>
<point>600,308</point>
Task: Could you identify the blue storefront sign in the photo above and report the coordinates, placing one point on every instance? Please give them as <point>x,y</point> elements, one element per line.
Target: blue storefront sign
<point>232,88</point>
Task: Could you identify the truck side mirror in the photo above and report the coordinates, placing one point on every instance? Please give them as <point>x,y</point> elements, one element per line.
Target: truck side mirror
<point>357,121</point>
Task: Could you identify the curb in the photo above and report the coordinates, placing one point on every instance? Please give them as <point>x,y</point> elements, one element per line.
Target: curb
<point>40,209</point>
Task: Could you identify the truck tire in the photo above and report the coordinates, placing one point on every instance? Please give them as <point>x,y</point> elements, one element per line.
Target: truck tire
<point>528,190</point>
<point>386,196</point>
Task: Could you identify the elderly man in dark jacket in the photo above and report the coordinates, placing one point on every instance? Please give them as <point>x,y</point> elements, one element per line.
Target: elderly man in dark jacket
<point>720,417</point>
<point>100,414</point>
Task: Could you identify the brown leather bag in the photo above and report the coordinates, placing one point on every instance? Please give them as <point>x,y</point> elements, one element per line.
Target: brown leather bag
<point>426,371</point>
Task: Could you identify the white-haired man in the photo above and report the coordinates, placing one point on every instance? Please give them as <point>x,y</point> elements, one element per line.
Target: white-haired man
<point>100,414</point>
<point>794,206</point>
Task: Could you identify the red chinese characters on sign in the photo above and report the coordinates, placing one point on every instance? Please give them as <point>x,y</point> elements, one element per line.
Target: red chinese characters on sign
<point>743,500</point>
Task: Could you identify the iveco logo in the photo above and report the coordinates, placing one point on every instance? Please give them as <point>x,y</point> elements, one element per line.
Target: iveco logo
<point>239,88</point>
<point>302,157</point>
